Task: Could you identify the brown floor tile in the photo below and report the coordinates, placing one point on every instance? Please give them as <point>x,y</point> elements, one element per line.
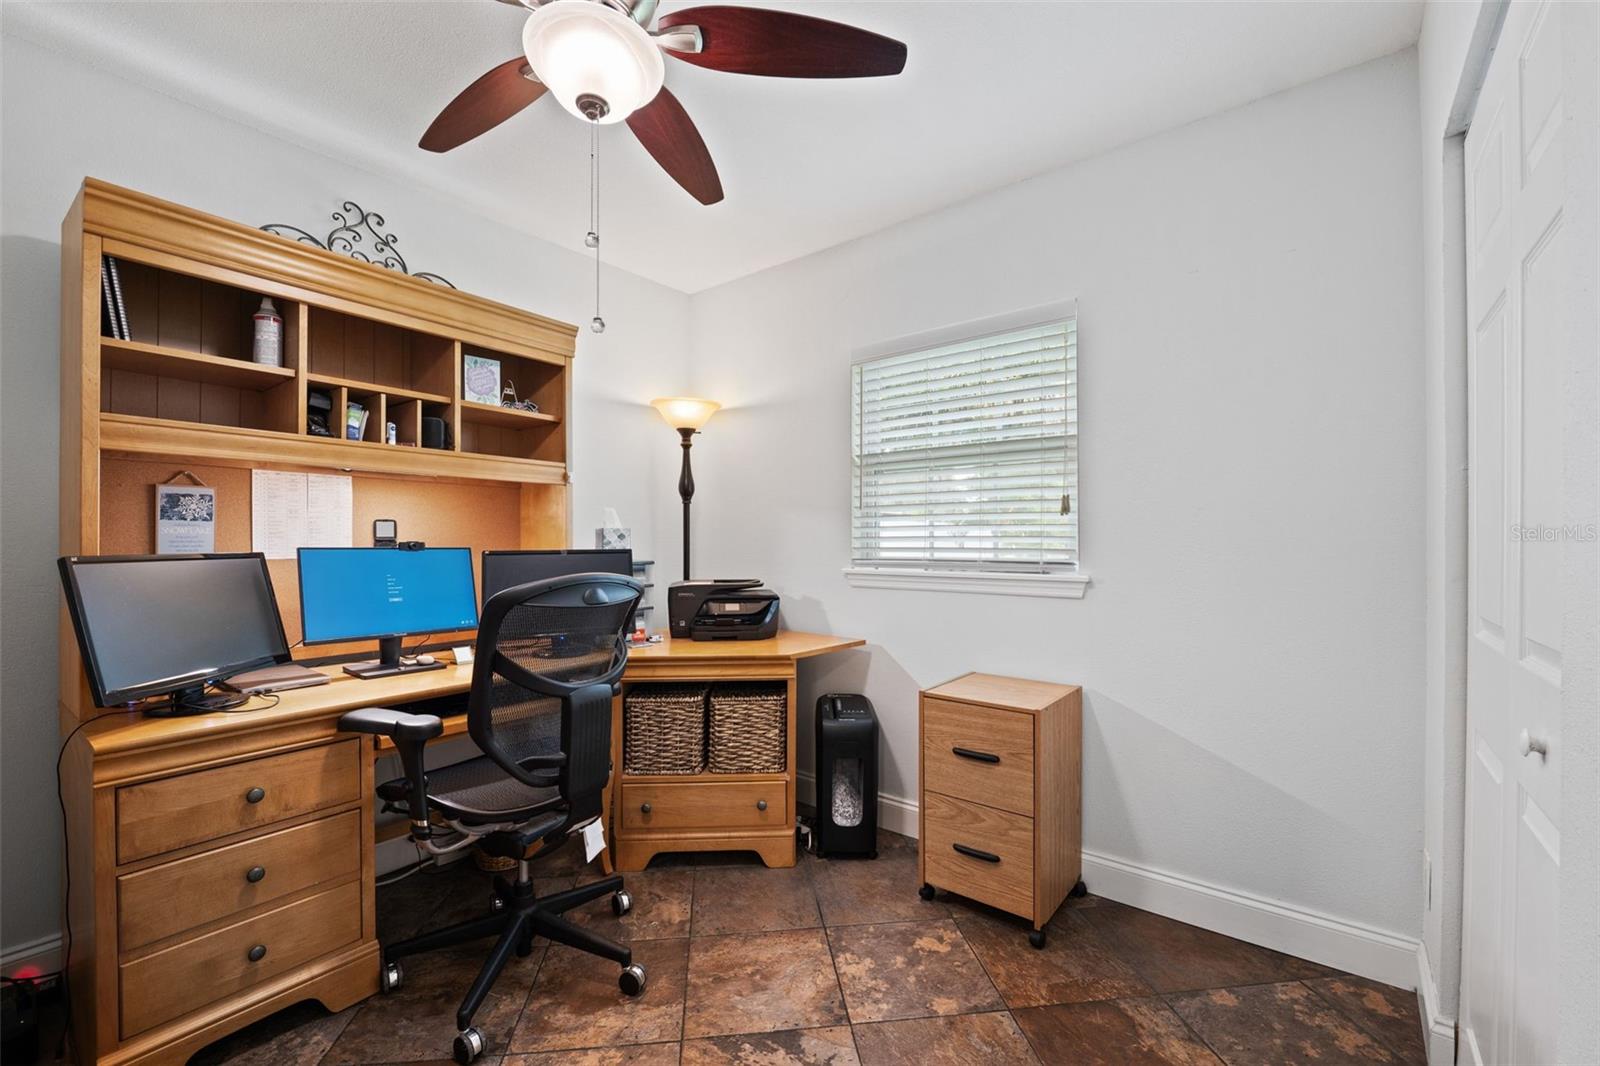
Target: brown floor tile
<point>1119,1032</point>
<point>833,1046</point>
<point>1388,1013</point>
<point>990,1039</point>
<point>1175,957</point>
<point>870,891</point>
<point>298,1036</point>
<point>633,1055</point>
<point>1276,1025</point>
<point>1074,965</point>
<point>909,970</point>
<point>761,983</point>
<point>418,1022</point>
<point>576,1003</point>
<point>752,900</point>
<point>661,903</point>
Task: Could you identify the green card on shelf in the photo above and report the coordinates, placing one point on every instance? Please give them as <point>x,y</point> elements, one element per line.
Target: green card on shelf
<point>480,379</point>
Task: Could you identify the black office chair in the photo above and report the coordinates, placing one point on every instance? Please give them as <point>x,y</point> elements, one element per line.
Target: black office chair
<point>548,660</point>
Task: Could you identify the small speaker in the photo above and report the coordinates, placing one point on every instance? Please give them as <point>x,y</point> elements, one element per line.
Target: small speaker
<point>433,433</point>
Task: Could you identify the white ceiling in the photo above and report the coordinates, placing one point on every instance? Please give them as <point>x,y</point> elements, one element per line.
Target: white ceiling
<point>993,92</point>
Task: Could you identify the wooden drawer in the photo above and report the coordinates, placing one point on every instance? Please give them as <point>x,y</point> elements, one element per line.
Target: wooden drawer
<point>706,805</point>
<point>159,816</point>
<point>218,883</point>
<point>1006,883</point>
<point>172,982</point>
<point>996,768</point>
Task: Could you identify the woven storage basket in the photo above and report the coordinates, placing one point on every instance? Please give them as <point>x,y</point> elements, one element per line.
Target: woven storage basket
<point>749,732</point>
<point>664,729</point>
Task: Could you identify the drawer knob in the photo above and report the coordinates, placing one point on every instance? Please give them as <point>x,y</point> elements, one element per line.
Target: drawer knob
<point>976,853</point>
<point>255,873</point>
<point>258,953</point>
<point>761,805</point>
<point>976,756</point>
<point>255,795</point>
<point>644,808</point>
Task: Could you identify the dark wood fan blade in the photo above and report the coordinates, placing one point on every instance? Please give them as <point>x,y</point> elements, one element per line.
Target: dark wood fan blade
<point>751,40</point>
<point>482,106</point>
<point>668,134</point>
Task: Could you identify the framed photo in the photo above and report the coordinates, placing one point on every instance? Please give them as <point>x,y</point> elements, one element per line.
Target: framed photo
<point>480,379</point>
<point>186,519</point>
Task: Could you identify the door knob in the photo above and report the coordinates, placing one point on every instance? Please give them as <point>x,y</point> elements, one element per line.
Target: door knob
<point>1530,744</point>
<point>761,805</point>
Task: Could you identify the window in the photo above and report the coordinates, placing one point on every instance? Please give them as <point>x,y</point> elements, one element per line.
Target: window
<point>965,463</point>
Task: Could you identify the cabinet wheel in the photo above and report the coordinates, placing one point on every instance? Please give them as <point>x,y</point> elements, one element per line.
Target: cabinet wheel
<point>631,980</point>
<point>621,903</point>
<point>390,977</point>
<point>468,1045</point>
<point>1036,938</point>
<point>926,891</point>
<point>1079,890</point>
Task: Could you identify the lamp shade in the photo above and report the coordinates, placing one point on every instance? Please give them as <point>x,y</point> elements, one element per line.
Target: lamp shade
<point>581,48</point>
<point>685,412</point>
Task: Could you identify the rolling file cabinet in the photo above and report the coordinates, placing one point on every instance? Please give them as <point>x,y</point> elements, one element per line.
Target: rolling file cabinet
<point>1001,813</point>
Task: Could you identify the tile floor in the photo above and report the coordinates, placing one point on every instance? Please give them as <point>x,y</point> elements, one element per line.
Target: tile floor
<point>839,962</point>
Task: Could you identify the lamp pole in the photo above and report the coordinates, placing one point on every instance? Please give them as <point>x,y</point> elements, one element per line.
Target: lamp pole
<point>686,491</point>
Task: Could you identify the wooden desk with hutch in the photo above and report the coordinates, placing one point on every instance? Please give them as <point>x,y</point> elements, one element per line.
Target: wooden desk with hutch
<point>222,865</point>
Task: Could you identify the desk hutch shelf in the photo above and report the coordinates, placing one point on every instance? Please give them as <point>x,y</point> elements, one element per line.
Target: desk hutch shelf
<point>182,394</point>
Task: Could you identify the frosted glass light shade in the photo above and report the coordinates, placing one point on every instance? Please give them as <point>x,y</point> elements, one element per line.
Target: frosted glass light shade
<point>685,412</point>
<point>581,47</point>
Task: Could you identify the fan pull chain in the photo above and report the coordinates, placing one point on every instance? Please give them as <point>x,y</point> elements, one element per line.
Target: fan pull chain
<point>592,240</point>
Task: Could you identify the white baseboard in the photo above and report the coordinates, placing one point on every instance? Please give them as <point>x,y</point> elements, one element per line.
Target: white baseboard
<point>33,957</point>
<point>1439,1031</point>
<point>1345,945</point>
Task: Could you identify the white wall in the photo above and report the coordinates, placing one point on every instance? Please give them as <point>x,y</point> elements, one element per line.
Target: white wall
<point>1251,646</point>
<point>62,121</point>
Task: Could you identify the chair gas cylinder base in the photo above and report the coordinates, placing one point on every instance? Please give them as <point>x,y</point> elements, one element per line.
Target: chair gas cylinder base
<point>548,662</point>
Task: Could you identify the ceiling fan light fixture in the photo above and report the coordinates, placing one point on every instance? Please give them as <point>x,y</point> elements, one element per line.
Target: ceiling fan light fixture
<point>585,51</point>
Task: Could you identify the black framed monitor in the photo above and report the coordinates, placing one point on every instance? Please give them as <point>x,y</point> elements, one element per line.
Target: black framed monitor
<point>507,569</point>
<point>385,594</point>
<point>158,625</point>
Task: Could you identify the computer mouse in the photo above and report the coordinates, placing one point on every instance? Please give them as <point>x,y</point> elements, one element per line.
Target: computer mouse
<point>426,660</point>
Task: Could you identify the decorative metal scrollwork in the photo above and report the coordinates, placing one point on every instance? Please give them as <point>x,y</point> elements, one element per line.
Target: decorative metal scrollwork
<point>354,227</point>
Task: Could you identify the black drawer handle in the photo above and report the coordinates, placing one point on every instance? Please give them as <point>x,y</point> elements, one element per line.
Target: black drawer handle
<point>255,874</point>
<point>986,856</point>
<point>976,756</point>
<point>761,805</point>
<point>255,795</point>
<point>644,808</point>
<point>258,953</point>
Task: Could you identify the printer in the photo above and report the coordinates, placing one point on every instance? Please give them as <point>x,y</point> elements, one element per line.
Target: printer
<point>722,609</point>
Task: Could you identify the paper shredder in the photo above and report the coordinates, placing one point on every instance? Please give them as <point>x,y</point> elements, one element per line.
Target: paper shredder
<point>847,776</point>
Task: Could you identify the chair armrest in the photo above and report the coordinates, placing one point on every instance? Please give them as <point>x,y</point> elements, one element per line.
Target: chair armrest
<point>397,725</point>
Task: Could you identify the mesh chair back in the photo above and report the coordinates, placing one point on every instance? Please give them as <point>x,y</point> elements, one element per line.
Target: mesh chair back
<point>547,656</point>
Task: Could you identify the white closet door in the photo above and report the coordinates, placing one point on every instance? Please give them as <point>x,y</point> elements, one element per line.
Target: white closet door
<point>1515,177</point>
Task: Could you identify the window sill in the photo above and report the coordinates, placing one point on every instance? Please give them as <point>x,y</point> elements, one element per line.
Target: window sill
<point>1065,586</point>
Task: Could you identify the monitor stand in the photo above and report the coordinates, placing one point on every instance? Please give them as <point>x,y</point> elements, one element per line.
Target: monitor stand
<point>388,663</point>
<point>193,700</point>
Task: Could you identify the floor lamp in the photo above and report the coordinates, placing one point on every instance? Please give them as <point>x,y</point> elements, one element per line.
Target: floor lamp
<point>686,414</point>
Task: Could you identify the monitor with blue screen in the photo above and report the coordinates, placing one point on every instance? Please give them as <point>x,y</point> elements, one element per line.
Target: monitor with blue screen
<point>385,594</point>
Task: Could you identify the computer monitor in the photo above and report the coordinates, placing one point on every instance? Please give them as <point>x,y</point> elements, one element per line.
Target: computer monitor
<point>506,569</point>
<point>154,625</point>
<point>385,594</point>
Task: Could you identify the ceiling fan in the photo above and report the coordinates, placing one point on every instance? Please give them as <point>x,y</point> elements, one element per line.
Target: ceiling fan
<point>602,62</point>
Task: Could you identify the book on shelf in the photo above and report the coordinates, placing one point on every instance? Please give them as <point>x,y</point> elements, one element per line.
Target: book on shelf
<point>108,311</point>
<point>119,310</point>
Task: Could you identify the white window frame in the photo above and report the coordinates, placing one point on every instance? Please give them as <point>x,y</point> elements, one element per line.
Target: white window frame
<point>1064,583</point>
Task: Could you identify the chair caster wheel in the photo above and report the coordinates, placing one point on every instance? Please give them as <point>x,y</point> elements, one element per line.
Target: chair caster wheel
<point>389,977</point>
<point>1036,939</point>
<point>632,980</point>
<point>1079,890</point>
<point>468,1045</point>
<point>621,903</point>
<point>926,891</point>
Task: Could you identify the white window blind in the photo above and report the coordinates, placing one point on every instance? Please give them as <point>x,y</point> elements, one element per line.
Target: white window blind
<point>966,455</point>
